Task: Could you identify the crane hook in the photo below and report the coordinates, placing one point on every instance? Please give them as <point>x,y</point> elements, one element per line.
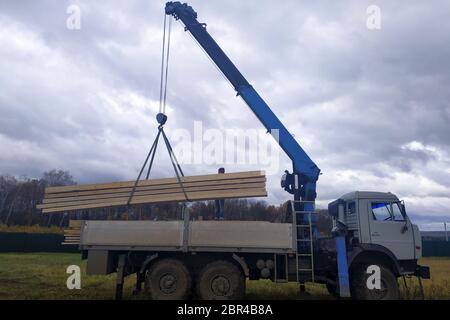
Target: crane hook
<point>161,118</point>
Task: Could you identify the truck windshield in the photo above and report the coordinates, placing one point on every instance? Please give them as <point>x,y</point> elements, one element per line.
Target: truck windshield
<point>397,212</point>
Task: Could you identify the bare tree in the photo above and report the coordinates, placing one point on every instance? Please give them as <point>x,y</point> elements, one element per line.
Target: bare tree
<point>56,178</point>
<point>19,196</point>
<point>7,184</point>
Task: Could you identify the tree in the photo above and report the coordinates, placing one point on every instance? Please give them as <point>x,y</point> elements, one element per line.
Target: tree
<point>324,222</point>
<point>57,178</point>
<point>7,184</point>
<point>19,196</point>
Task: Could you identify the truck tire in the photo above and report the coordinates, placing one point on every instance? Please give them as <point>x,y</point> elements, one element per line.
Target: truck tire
<point>168,279</point>
<point>359,290</point>
<point>220,280</point>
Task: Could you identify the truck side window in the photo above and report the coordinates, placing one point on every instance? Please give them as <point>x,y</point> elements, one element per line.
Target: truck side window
<point>381,211</point>
<point>397,213</point>
<point>351,207</point>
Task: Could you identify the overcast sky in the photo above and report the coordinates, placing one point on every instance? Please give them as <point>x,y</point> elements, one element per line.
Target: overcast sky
<point>371,107</point>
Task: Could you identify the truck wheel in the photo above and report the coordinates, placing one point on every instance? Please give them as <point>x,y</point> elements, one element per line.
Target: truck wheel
<point>220,280</point>
<point>388,283</point>
<point>168,279</point>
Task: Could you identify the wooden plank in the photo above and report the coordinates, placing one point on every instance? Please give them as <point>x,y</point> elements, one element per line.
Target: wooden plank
<point>72,234</point>
<point>209,194</point>
<point>154,192</point>
<point>75,223</point>
<point>158,191</point>
<point>194,196</point>
<point>156,187</point>
<point>72,230</point>
<point>204,187</point>
<point>114,185</point>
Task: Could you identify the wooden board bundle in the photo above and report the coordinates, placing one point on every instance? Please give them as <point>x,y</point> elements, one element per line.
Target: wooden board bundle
<point>72,235</point>
<point>203,187</point>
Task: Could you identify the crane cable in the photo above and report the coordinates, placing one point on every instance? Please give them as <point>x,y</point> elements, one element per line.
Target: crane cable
<point>165,64</point>
<point>162,110</point>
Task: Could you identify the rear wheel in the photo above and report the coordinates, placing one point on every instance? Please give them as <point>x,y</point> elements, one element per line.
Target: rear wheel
<point>168,279</point>
<point>220,280</point>
<point>389,289</point>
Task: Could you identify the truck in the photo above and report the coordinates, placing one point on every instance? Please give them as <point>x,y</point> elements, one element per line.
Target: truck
<point>372,244</point>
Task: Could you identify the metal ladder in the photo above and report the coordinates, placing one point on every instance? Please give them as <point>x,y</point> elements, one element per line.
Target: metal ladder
<point>302,220</point>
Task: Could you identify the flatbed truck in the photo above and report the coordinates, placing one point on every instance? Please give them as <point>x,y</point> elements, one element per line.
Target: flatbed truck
<point>373,241</point>
<point>212,259</point>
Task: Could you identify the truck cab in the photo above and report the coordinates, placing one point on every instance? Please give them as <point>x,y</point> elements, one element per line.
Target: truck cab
<point>378,232</point>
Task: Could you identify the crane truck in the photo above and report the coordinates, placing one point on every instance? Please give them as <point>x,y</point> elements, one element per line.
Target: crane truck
<point>372,235</point>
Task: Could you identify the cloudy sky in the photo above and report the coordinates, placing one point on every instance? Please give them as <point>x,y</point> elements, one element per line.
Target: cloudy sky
<point>371,107</point>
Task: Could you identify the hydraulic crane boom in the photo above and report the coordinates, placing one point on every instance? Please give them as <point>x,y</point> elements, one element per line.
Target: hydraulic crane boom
<point>302,183</point>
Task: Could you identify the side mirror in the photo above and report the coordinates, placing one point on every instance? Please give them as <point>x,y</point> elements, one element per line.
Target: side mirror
<point>405,227</point>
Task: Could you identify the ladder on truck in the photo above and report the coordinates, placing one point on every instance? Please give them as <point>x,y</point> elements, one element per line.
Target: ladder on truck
<point>303,233</point>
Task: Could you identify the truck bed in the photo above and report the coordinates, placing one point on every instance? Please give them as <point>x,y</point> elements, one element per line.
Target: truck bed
<point>245,236</point>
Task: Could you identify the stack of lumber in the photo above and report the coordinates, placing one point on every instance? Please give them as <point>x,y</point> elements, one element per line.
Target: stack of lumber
<point>203,187</point>
<point>72,235</point>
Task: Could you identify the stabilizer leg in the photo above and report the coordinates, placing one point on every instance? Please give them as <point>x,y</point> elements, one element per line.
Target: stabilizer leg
<point>120,276</point>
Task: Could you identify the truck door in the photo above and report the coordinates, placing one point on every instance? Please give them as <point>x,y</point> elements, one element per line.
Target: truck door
<point>391,229</point>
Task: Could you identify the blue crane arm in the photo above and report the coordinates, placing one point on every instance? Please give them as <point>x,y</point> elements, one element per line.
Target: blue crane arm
<point>302,183</point>
<point>304,169</point>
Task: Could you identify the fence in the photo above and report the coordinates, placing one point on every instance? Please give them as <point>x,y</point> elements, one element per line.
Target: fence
<point>435,248</point>
<point>49,242</point>
<point>33,242</point>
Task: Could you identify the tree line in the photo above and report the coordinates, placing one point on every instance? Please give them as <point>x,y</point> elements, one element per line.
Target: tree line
<point>19,197</point>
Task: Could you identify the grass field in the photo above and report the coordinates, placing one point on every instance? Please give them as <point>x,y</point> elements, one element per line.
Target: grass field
<point>43,276</point>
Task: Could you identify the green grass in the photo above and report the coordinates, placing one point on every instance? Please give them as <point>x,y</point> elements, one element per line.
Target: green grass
<point>43,276</point>
<point>438,287</point>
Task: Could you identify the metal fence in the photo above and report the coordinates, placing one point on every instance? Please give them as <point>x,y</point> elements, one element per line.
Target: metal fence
<point>435,248</point>
<point>49,242</point>
<point>33,242</point>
